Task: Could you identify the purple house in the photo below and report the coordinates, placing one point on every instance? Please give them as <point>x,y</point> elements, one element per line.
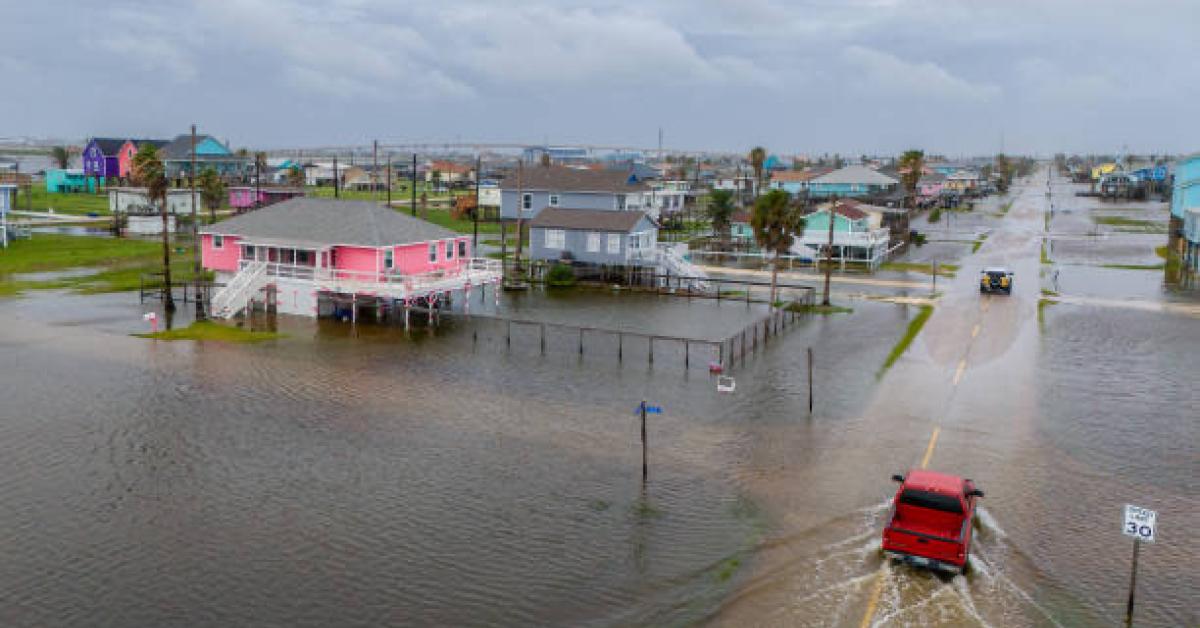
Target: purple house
<point>101,157</point>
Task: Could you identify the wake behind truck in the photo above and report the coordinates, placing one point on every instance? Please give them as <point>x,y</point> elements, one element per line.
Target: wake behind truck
<point>930,521</point>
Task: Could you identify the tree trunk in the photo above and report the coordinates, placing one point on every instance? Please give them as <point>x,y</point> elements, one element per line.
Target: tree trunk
<point>167,298</point>
<point>212,213</point>
<point>829,252</point>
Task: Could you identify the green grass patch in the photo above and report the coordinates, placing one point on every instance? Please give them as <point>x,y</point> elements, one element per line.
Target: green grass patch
<point>1135,266</point>
<point>1045,256</point>
<point>935,215</point>
<point>978,243</point>
<point>1041,315</point>
<point>1048,292</point>
<point>1005,207</point>
<point>726,294</point>
<point>943,270</point>
<point>119,263</point>
<point>727,568</point>
<point>914,328</point>
<point>1133,225</point>
<point>804,308</point>
<point>207,330</point>
<point>442,218</point>
<point>74,203</point>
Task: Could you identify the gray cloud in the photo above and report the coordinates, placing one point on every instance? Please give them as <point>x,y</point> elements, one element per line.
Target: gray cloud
<point>806,76</point>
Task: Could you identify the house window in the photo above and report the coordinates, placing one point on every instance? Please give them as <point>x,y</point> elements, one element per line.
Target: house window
<point>555,238</point>
<point>389,259</point>
<point>593,243</point>
<point>621,202</point>
<point>527,202</point>
<point>462,248</point>
<point>554,200</point>
<point>450,249</point>
<point>432,252</point>
<point>218,241</point>
<point>614,244</point>
<point>248,251</point>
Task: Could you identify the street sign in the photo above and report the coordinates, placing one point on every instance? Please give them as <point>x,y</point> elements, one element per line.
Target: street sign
<point>1140,523</point>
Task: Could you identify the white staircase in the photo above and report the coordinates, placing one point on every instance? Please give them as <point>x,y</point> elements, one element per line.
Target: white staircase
<point>234,297</point>
<point>671,261</point>
<point>803,251</point>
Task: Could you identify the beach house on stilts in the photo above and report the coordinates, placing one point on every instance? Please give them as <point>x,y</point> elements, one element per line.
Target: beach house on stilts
<point>315,257</point>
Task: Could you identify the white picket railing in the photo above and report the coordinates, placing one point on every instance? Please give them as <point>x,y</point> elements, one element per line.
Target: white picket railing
<point>231,299</point>
<point>670,261</point>
<point>470,271</point>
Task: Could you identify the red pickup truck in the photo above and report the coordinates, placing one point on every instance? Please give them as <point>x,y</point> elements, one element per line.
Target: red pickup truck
<point>930,521</point>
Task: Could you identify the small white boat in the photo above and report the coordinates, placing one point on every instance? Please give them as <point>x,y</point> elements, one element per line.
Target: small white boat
<point>726,384</point>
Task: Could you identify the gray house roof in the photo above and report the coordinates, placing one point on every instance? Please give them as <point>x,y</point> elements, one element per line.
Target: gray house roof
<point>587,219</point>
<point>560,179</point>
<point>323,222</point>
<point>855,174</point>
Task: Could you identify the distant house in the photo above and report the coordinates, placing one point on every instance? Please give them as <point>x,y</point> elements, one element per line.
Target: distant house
<point>210,153</point>
<point>858,233</point>
<point>593,236</point>
<point>558,155</point>
<point>740,229</point>
<point>62,181</point>
<point>930,185</point>
<point>966,182</point>
<point>249,197</point>
<point>668,197</point>
<point>795,182</point>
<point>136,201</point>
<point>538,187</point>
<point>127,152</point>
<point>449,173</point>
<point>100,158</point>
<point>851,181</point>
<point>313,251</point>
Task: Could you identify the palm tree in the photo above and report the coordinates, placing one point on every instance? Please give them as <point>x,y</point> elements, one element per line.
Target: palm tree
<point>775,221</point>
<point>61,156</point>
<point>212,191</point>
<point>720,211</point>
<point>148,172</point>
<point>758,156</point>
<point>912,163</point>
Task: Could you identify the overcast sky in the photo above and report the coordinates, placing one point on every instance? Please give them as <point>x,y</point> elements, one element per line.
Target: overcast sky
<point>798,77</point>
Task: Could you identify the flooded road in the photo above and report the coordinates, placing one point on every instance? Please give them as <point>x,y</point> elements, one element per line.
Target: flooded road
<point>363,476</point>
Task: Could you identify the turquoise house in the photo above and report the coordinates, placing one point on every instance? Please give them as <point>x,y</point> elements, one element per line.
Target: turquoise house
<point>60,181</point>
<point>8,195</point>
<point>851,181</point>
<point>1185,210</point>
<point>740,229</point>
<point>210,153</point>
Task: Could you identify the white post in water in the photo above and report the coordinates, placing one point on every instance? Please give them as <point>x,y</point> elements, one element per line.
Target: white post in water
<point>1140,524</point>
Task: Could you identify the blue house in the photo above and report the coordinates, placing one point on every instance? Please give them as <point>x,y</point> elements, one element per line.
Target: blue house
<point>210,153</point>
<point>851,181</point>
<point>1185,209</point>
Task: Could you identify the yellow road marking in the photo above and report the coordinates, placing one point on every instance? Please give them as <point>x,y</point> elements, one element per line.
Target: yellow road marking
<point>873,601</point>
<point>958,373</point>
<point>975,332</point>
<point>929,449</point>
<point>986,304</point>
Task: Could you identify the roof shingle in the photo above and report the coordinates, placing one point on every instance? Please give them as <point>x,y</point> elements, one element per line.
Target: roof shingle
<point>323,222</point>
<point>561,179</point>
<point>590,219</point>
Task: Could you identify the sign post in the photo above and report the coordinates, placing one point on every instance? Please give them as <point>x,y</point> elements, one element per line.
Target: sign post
<point>1140,523</point>
<point>642,409</point>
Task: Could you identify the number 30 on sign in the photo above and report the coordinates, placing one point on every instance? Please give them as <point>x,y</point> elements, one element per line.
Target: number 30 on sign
<point>1140,523</point>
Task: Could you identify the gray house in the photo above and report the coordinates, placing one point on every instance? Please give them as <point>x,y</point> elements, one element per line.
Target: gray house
<point>593,236</point>
<point>539,187</point>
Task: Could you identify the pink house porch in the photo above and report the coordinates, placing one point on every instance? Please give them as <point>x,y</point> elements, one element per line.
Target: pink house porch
<point>242,198</point>
<point>303,250</point>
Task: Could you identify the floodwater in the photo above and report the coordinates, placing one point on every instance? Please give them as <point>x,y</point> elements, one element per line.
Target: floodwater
<point>364,476</point>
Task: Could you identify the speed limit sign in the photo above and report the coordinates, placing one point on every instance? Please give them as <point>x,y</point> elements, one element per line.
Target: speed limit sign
<point>1139,523</point>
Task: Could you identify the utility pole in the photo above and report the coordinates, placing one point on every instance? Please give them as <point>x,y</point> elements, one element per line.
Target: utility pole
<point>374,169</point>
<point>829,251</point>
<point>196,271</point>
<point>336,179</point>
<point>389,180</point>
<point>414,185</point>
<point>520,214</point>
<point>475,212</point>
<point>645,466</point>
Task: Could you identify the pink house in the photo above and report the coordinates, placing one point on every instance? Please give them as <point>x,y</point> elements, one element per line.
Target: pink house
<point>930,185</point>
<point>127,151</point>
<point>307,249</point>
<point>243,198</point>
